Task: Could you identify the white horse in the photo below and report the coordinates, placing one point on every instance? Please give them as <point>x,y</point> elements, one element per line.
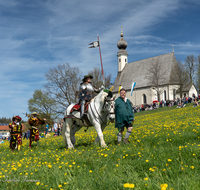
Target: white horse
<point>100,109</point>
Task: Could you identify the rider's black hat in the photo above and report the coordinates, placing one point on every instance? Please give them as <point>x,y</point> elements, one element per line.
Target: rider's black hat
<point>87,76</point>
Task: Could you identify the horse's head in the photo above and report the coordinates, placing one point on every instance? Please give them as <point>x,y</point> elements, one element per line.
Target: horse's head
<point>109,106</point>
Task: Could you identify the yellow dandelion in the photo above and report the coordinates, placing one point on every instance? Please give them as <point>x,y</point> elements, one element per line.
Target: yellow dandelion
<point>163,186</point>
<point>38,183</point>
<point>131,186</point>
<point>146,178</point>
<point>126,185</point>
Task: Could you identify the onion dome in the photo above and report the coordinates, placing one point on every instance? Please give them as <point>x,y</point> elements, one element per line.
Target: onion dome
<point>122,44</point>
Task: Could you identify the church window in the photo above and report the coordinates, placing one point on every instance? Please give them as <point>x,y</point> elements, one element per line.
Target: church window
<point>125,60</point>
<point>165,95</point>
<point>144,99</point>
<point>174,93</point>
<point>119,60</point>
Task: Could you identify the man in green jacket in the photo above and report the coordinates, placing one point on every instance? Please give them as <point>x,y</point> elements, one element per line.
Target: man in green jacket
<point>123,116</point>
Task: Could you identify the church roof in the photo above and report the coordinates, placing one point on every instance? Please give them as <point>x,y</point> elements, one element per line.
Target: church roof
<point>139,70</point>
<point>186,88</point>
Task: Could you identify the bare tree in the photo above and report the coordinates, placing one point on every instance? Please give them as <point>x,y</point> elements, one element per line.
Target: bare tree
<point>62,85</point>
<point>190,64</point>
<point>97,80</point>
<point>198,73</point>
<point>156,77</point>
<point>179,76</point>
<point>44,105</point>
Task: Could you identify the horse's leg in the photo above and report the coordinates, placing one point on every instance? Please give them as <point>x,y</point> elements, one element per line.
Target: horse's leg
<point>73,131</point>
<point>69,124</point>
<point>100,134</point>
<point>97,138</point>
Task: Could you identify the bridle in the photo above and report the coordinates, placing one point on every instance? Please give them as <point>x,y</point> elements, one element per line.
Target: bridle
<point>108,111</point>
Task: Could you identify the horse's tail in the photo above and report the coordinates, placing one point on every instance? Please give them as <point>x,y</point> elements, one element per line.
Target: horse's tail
<point>63,132</point>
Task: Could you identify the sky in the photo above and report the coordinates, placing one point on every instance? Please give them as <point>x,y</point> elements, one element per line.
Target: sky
<point>38,35</point>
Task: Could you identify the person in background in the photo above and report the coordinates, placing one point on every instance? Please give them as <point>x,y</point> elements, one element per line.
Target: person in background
<point>25,135</point>
<point>55,126</point>
<point>28,134</point>
<point>46,128</point>
<point>58,129</point>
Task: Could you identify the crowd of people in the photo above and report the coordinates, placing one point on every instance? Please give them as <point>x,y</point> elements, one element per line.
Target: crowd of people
<point>56,128</point>
<point>179,102</point>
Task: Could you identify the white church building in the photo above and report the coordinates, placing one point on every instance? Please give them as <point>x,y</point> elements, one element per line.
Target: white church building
<point>144,92</point>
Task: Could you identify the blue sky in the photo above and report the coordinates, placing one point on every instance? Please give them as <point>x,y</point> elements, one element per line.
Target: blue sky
<point>38,35</point>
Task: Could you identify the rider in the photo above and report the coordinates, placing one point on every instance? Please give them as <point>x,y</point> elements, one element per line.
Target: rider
<point>86,88</point>
<point>16,132</point>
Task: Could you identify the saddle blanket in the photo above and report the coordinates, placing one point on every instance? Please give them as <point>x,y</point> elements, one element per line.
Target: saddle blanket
<point>77,107</point>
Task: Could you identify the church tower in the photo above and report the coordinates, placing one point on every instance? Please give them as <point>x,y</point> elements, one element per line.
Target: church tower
<point>122,53</point>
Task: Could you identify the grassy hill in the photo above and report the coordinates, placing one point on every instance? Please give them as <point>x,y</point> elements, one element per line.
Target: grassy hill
<point>164,153</point>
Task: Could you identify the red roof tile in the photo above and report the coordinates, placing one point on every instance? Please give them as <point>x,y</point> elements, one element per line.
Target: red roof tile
<point>6,128</point>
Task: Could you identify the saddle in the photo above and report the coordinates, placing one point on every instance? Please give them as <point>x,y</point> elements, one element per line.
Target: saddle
<point>77,107</point>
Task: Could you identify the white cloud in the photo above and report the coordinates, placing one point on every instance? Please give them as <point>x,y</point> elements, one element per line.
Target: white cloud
<point>38,36</point>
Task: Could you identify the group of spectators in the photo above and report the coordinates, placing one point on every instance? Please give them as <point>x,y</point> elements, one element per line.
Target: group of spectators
<point>56,128</point>
<point>179,102</point>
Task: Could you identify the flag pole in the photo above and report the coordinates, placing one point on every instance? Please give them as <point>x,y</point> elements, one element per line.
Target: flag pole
<point>101,60</point>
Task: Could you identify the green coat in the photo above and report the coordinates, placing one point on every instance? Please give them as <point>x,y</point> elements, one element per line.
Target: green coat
<point>123,112</point>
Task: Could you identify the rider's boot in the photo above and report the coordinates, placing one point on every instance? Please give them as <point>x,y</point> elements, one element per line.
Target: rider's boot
<point>82,109</point>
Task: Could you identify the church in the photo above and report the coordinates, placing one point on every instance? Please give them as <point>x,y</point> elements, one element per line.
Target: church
<point>138,71</point>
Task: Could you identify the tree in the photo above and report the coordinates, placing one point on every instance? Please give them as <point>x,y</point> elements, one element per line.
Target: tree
<point>5,120</point>
<point>62,85</point>
<point>156,78</point>
<point>97,80</point>
<point>198,73</point>
<point>190,64</point>
<point>180,76</point>
<point>45,106</point>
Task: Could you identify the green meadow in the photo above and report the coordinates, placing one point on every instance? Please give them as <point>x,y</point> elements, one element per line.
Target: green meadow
<point>164,153</point>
